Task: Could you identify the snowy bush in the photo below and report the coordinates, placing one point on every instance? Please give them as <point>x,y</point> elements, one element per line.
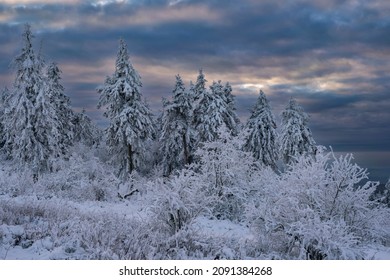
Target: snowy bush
<point>228,172</point>
<point>321,209</point>
<point>48,226</point>
<point>82,177</point>
<point>179,200</point>
<point>15,183</point>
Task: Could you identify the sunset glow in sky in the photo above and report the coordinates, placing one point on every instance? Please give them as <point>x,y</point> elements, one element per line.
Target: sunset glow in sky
<point>333,56</point>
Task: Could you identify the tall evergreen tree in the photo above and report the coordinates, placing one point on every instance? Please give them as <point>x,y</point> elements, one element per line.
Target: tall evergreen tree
<point>30,119</point>
<point>131,123</point>
<point>296,138</point>
<point>261,135</point>
<point>229,99</point>
<point>202,101</point>
<point>211,110</point>
<point>224,96</point>
<point>47,130</point>
<point>176,136</point>
<point>227,90</point>
<point>62,108</point>
<point>199,88</point>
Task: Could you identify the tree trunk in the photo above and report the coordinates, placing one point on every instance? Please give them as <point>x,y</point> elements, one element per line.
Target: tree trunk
<point>130,158</point>
<point>186,154</point>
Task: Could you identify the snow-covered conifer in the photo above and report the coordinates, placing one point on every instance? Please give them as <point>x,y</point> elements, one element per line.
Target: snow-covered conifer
<point>296,138</point>
<point>199,88</point>
<point>211,110</point>
<point>61,103</point>
<point>131,123</point>
<point>30,119</point>
<point>227,108</point>
<point>201,103</point>
<point>191,90</point>
<point>176,135</point>
<point>47,131</point>
<point>261,135</point>
<point>229,99</point>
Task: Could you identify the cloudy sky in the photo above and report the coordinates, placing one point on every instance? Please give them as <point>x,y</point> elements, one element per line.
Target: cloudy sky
<point>333,56</point>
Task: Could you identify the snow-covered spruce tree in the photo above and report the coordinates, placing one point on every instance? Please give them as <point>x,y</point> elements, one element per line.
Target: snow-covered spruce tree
<point>131,123</point>
<point>201,102</point>
<point>229,99</point>
<point>48,130</point>
<point>224,96</point>
<point>295,138</point>
<point>32,130</point>
<point>176,136</point>
<point>261,137</point>
<point>62,107</point>
<point>199,88</point>
<point>18,111</point>
<point>211,111</point>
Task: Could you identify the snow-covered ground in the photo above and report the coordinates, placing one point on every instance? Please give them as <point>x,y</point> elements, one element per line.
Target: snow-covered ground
<point>61,229</point>
<point>32,233</point>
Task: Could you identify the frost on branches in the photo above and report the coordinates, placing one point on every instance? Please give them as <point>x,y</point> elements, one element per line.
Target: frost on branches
<point>131,123</point>
<point>261,138</point>
<point>295,138</point>
<point>177,136</point>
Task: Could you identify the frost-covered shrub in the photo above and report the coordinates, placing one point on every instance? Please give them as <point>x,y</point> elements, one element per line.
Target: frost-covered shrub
<point>191,244</point>
<point>82,177</point>
<point>15,183</point>
<point>179,200</point>
<point>228,172</point>
<point>320,209</point>
<point>68,233</point>
<point>134,184</point>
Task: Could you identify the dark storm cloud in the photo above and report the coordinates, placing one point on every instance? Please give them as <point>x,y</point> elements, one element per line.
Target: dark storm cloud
<point>331,55</point>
